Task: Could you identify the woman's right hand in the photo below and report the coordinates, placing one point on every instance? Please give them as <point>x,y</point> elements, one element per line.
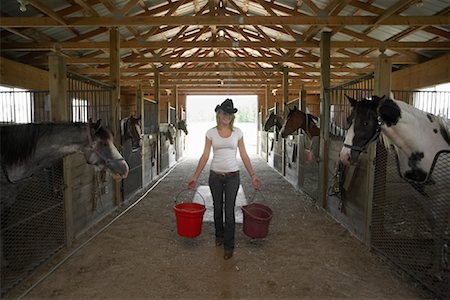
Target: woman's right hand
<point>192,183</point>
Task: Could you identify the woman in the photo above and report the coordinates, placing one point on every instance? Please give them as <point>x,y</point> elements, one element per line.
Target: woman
<point>224,179</point>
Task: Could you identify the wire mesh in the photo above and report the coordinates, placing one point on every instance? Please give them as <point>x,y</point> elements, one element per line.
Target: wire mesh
<point>411,222</point>
<point>87,99</point>
<point>32,223</point>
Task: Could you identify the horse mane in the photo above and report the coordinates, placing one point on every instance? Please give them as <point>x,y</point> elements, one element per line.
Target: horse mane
<point>18,142</point>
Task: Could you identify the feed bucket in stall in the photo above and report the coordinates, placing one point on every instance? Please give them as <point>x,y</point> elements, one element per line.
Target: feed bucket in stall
<point>256,220</point>
<point>189,218</point>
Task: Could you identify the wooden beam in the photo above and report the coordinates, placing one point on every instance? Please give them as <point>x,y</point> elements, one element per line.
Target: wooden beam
<point>325,101</point>
<point>21,22</point>
<point>224,45</point>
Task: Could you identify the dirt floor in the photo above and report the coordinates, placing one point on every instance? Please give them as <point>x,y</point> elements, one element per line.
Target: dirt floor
<point>140,256</point>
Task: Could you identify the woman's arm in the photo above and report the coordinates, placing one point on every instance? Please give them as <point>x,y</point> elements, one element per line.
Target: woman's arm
<point>248,165</point>
<point>201,164</point>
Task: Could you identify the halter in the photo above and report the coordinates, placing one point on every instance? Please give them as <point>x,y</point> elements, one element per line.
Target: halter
<point>91,145</point>
<point>364,147</point>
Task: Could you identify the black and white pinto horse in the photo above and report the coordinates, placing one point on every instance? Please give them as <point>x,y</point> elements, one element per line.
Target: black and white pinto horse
<point>131,129</point>
<point>417,138</point>
<point>169,131</point>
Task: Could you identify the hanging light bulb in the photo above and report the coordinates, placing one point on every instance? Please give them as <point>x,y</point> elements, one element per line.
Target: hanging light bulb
<point>22,5</point>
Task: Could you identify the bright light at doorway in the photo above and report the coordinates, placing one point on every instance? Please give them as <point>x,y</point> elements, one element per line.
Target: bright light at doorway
<point>200,116</point>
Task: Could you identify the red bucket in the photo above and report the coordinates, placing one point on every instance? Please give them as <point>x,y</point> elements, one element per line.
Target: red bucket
<point>256,220</point>
<point>189,218</point>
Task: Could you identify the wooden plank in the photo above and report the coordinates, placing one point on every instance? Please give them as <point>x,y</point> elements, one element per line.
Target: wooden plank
<point>114,70</point>
<point>325,83</point>
<point>30,22</point>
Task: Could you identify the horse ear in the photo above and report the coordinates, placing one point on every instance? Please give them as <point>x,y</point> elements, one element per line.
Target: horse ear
<point>378,100</point>
<point>98,124</point>
<point>353,101</point>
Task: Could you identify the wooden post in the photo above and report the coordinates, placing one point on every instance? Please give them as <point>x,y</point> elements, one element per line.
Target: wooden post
<point>382,86</point>
<point>302,95</point>
<point>325,84</point>
<point>58,87</point>
<point>283,107</point>
<point>140,111</point>
<point>59,112</point>
<point>157,94</point>
<point>114,75</point>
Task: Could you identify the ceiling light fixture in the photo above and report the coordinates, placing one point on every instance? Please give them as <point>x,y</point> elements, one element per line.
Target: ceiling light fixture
<point>22,5</point>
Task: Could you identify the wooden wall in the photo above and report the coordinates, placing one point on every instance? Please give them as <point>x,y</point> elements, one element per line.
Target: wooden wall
<point>14,74</point>
<point>433,72</point>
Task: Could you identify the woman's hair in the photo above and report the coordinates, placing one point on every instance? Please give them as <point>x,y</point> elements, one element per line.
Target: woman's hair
<point>231,122</point>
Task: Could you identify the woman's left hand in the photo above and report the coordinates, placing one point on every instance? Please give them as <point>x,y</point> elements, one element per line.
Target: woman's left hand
<point>256,182</point>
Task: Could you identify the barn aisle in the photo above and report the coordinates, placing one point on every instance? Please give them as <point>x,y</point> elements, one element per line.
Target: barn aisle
<point>140,256</point>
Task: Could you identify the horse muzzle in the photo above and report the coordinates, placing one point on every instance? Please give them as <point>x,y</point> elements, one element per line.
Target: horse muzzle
<point>119,167</point>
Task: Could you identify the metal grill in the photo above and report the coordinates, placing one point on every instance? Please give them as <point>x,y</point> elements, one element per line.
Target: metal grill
<point>32,223</point>
<point>88,98</point>
<point>24,106</point>
<point>340,107</point>
<point>150,117</point>
<point>411,223</point>
<point>435,102</point>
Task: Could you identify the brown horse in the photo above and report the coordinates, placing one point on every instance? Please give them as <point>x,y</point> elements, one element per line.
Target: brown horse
<point>297,119</point>
<point>131,129</point>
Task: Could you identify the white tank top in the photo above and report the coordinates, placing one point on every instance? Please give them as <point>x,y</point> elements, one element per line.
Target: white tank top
<point>224,150</point>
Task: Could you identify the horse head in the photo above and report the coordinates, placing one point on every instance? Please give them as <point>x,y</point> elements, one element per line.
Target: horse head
<point>101,151</point>
<point>272,120</point>
<point>183,126</point>
<point>131,129</point>
<point>363,128</point>
<point>298,119</point>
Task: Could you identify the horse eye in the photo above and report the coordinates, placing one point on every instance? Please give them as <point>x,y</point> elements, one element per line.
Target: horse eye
<point>366,123</point>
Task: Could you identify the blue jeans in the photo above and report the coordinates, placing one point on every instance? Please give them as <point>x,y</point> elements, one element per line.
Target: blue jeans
<point>224,185</point>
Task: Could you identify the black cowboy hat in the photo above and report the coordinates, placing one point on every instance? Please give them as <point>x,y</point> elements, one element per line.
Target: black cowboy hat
<point>227,106</point>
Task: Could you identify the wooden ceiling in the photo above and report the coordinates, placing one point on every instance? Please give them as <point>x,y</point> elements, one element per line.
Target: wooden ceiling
<point>224,46</point>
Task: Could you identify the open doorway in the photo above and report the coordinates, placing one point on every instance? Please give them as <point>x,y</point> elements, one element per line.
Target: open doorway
<point>200,116</point>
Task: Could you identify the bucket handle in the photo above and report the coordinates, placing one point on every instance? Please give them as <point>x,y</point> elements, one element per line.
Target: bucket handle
<point>196,192</point>
<point>254,196</point>
<point>252,201</point>
<point>255,217</point>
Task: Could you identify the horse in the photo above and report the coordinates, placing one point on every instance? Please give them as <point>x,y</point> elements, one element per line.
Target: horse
<point>417,138</point>
<point>169,130</point>
<point>273,120</point>
<point>181,125</point>
<point>131,129</point>
<point>297,119</point>
<point>28,148</point>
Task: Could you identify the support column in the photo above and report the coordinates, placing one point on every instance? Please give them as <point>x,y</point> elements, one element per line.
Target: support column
<point>58,88</point>
<point>302,95</point>
<point>59,113</point>
<point>157,94</point>
<point>325,83</point>
<point>382,86</point>
<point>114,75</point>
<point>140,112</point>
<point>283,107</point>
